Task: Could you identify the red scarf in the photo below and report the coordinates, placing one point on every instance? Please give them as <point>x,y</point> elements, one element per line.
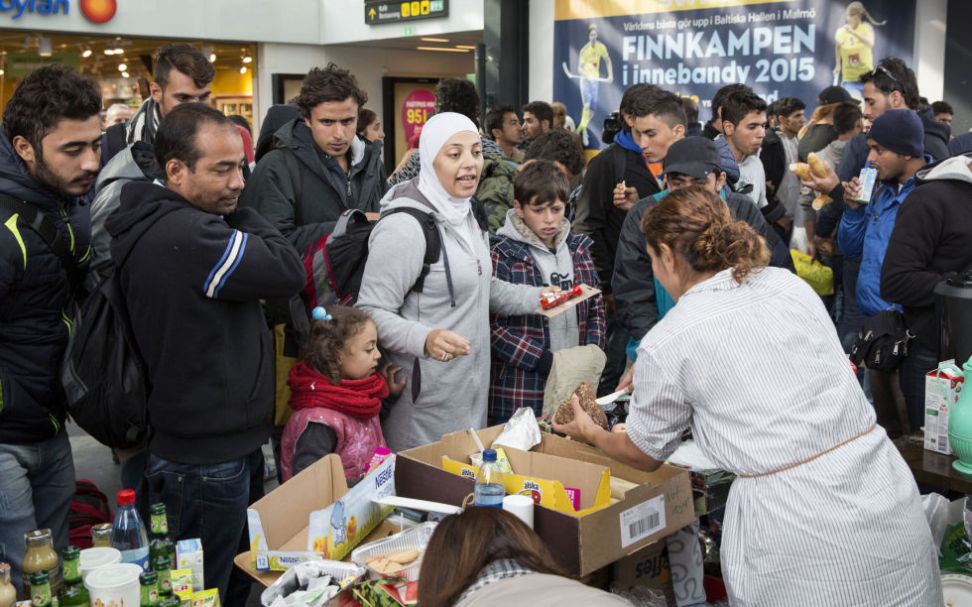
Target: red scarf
<point>357,397</point>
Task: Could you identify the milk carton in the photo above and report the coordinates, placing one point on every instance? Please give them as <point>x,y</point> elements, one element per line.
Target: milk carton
<point>942,389</point>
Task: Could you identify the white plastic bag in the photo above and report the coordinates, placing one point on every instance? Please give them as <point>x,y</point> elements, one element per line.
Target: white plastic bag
<point>521,432</point>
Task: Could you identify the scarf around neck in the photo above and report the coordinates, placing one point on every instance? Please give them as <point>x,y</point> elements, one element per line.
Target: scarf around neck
<point>360,398</point>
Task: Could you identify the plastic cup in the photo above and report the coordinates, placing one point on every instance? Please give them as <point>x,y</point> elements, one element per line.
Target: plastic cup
<point>115,585</point>
<point>521,506</point>
<point>95,558</point>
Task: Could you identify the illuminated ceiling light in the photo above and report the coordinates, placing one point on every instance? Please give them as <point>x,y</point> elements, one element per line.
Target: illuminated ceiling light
<point>207,51</point>
<point>2,71</point>
<point>467,47</point>
<point>434,39</point>
<point>242,69</point>
<point>109,51</point>
<point>44,46</point>
<point>212,57</point>
<point>86,51</point>
<point>125,75</point>
<point>247,58</point>
<point>122,67</point>
<point>442,49</point>
<point>119,50</point>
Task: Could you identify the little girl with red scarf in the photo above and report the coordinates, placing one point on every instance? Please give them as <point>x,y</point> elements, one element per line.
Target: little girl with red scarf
<point>336,395</point>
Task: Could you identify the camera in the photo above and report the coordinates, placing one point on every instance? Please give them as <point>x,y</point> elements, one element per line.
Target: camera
<point>612,126</point>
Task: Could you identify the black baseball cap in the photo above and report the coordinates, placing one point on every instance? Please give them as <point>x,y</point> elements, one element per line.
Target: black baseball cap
<point>693,156</point>
<point>834,94</point>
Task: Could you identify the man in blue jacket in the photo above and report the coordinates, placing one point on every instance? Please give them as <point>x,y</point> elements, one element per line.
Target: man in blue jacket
<point>896,149</point>
<point>49,156</point>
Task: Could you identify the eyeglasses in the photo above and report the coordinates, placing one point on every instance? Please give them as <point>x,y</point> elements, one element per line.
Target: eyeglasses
<point>897,85</point>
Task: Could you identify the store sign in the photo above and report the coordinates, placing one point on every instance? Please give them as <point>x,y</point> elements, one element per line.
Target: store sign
<point>695,47</point>
<point>378,12</point>
<point>96,11</point>
<point>21,64</point>
<point>416,109</point>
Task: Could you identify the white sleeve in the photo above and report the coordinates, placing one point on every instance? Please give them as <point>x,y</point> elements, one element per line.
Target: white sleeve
<point>659,410</point>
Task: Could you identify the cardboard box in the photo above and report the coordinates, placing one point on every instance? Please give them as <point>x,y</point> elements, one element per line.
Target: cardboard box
<point>648,567</point>
<point>942,389</point>
<point>660,503</point>
<point>282,517</point>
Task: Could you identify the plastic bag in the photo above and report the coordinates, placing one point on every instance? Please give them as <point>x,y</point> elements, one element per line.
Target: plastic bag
<point>818,276</point>
<point>521,431</point>
<point>311,584</point>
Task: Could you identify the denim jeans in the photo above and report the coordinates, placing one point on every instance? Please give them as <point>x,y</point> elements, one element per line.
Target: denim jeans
<point>36,487</point>
<point>920,360</point>
<point>207,502</point>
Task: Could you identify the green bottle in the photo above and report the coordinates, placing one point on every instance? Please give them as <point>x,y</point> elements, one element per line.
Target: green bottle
<point>160,565</point>
<point>73,593</point>
<point>170,601</point>
<point>160,544</point>
<point>40,590</point>
<point>150,589</point>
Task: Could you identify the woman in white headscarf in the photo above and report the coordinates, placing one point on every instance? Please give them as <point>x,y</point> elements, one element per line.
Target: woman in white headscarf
<point>441,335</point>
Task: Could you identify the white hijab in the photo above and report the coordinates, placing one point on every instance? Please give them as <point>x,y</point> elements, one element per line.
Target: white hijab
<point>437,130</point>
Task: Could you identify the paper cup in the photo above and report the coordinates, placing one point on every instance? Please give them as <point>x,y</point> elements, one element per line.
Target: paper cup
<point>114,585</point>
<point>95,558</point>
<point>521,506</point>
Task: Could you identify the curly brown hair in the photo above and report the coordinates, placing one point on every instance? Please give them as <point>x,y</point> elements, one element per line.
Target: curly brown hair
<point>331,84</point>
<point>328,340</point>
<point>696,224</point>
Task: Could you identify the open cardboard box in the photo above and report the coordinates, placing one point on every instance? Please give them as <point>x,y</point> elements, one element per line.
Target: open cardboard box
<point>284,513</point>
<point>582,542</point>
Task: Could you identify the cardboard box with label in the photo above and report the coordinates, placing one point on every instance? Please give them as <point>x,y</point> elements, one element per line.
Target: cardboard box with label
<point>942,389</point>
<point>279,522</point>
<point>658,502</point>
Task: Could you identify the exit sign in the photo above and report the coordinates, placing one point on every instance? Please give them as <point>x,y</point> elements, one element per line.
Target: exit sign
<point>378,12</point>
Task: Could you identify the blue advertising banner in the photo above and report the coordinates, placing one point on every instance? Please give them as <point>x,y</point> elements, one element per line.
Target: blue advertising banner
<point>790,48</point>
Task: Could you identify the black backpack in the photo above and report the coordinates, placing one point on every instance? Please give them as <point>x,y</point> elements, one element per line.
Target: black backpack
<point>104,376</point>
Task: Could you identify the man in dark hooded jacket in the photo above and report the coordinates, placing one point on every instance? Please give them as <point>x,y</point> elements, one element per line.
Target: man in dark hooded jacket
<point>318,168</point>
<point>49,157</point>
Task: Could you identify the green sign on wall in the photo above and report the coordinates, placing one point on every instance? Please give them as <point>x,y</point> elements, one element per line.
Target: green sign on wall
<point>21,64</point>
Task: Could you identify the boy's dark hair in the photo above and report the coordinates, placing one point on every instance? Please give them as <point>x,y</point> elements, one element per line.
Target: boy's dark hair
<point>495,118</point>
<point>942,107</point>
<point>691,109</point>
<point>719,99</point>
<point>365,117</point>
<point>632,97</point>
<point>787,105</point>
<point>541,110</point>
<point>846,117</point>
<point>327,339</point>
<point>328,85</point>
<point>176,137</point>
<point>740,104</point>
<point>558,145</point>
<point>457,95</point>
<point>186,59</point>
<point>892,74</point>
<point>45,97</point>
<point>239,120</point>
<point>658,102</point>
<point>540,182</point>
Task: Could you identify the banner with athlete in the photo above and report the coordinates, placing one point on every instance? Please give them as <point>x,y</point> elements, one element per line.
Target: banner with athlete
<point>789,48</point>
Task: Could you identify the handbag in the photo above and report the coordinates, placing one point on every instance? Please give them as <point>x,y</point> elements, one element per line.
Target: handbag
<point>882,342</point>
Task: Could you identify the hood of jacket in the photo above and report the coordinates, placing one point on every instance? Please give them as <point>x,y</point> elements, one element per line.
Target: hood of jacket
<point>17,182</point>
<point>937,134</point>
<point>297,136</point>
<point>137,161</point>
<point>517,230</point>
<point>142,205</point>
<point>955,168</point>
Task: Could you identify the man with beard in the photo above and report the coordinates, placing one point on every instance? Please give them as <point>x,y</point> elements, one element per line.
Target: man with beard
<point>193,269</point>
<point>49,157</point>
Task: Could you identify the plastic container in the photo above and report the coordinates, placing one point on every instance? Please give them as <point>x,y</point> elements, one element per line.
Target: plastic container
<point>95,558</point>
<point>416,538</point>
<point>128,531</point>
<point>288,582</point>
<point>489,490</point>
<point>114,585</point>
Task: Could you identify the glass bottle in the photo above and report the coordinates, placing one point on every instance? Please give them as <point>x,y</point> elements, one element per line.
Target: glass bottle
<point>162,568</point>
<point>150,589</point>
<point>41,558</point>
<point>8,594</point>
<point>170,601</point>
<point>101,536</point>
<point>128,531</point>
<point>40,590</point>
<point>73,593</point>
<point>160,544</point>
<point>489,489</point>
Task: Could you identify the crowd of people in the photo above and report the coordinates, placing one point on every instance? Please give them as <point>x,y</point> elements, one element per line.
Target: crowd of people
<point>213,239</point>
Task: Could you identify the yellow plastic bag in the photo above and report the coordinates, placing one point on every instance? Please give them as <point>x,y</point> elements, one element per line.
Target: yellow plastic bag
<point>818,276</point>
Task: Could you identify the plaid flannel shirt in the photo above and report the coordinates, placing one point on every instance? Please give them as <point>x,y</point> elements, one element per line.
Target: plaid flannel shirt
<point>518,342</point>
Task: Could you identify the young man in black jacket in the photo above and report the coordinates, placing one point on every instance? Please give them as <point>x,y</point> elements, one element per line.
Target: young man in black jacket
<point>49,157</point>
<point>193,268</point>
<point>930,241</point>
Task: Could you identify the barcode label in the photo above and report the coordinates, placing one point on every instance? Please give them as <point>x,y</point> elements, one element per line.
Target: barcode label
<point>642,521</point>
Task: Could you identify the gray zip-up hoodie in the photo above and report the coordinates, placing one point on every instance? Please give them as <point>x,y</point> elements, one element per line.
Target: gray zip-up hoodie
<point>556,267</point>
<point>452,395</point>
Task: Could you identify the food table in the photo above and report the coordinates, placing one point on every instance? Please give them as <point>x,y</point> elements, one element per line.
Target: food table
<point>931,468</point>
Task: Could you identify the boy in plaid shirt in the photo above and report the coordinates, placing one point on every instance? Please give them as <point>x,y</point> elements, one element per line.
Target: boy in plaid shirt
<point>537,247</point>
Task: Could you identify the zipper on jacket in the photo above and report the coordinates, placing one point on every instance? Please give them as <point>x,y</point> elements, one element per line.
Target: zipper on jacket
<point>349,186</point>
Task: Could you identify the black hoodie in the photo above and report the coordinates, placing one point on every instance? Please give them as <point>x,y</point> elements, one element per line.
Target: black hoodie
<point>193,282</point>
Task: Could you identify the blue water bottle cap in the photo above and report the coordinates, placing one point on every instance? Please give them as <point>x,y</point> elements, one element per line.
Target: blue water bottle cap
<point>489,455</point>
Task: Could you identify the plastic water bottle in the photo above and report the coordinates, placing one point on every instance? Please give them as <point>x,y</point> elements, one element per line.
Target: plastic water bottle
<point>128,531</point>
<point>489,489</point>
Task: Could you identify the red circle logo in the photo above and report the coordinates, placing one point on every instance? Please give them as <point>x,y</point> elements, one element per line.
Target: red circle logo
<point>98,11</point>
